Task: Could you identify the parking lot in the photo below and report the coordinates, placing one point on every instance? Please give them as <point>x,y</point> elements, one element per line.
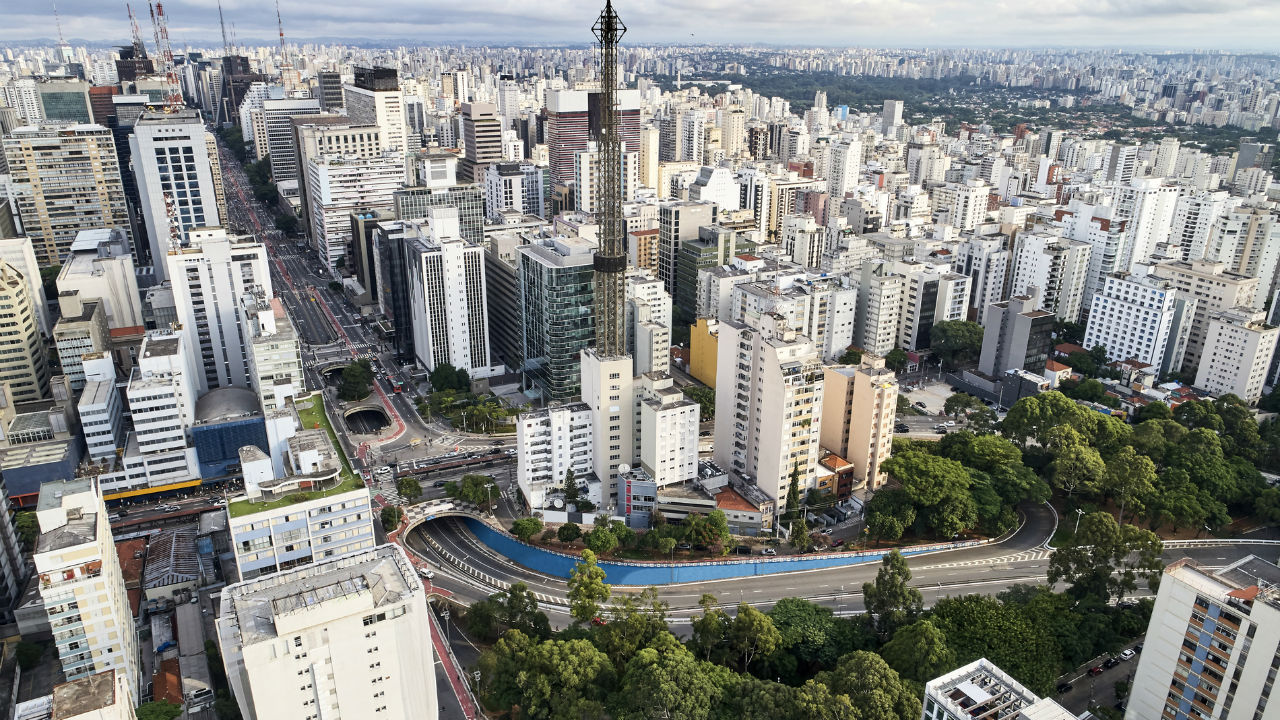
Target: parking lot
<point>932,394</point>
<point>1092,690</point>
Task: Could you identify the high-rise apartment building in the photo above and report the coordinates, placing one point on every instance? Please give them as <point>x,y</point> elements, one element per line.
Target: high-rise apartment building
<point>1058,268</point>
<point>334,135</point>
<point>275,353</point>
<point>859,405</point>
<point>162,401</point>
<point>962,205</point>
<point>344,636</point>
<point>573,121</point>
<point>64,179</point>
<point>13,561</point>
<point>985,259</point>
<point>1147,207</point>
<point>549,443</point>
<point>931,294</point>
<point>648,318</point>
<point>557,297</point>
<point>174,171</point>
<point>586,178</point>
<point>768,413</point>
<point>338,185</point>
<point>24,362</point>
<point>1237,353</point>
<point>1215,288</point>
<point>100,407</point>
<point>19,253</point>
<point>81,584</point>
<point>209,277</point>
<point>609,389</point>
<point>482,140</point>
<point>881,296</point>
<point>81,329</point>
<point>515,187</point>
<point>1016,335</point>
<point>1141,317</point>
<point>1213,644</point>
<point>890,116</point>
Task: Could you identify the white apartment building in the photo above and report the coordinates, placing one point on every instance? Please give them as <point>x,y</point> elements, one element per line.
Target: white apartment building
<point>881,296</point>
<point>1238,347</point>
<point>81,584</point>
<point>1098,225</point>
<point>648,317</point>
<point>668,430</point>
<point>846,167</point>
<point>268,535</point>
<point>514,187</point>
<point>174,171</point>
<point>931,294</point>
<point>986,260</point>
<point>821,309</point>
<point>549,443</point>
<point>1147,207</point>
<point>586,178</point>
<point>24,363</point>
<point>347,636</point>
<point>1215,288</point>
<point>962,205</point>
<point>1213,644</point>
<point>1193,217</point>
<point>803,240</point>
<point>101,266</point>
<point>446,284</point>
<point>82,328</point>
<point>1140,317</point>
<point>275,353</point>
<point>1247,239</point>
<point>18,252</point>
<point>1058,267</point>
<point>769,409</point>
<point>982,690</point>
<point>209,276</point>
<point>100,408</point>
<point>338,185</point>
<point>609,389</point>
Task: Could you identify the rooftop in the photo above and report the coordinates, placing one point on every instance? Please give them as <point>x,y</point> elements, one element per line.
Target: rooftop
<point>89,693</point>
<point>171,558</point>
<point>980,689</point>
<point>227,403</point>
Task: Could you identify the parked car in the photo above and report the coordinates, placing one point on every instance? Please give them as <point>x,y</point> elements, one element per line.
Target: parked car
<point>768,551</point>
<point>684,546</point>
<point>921,405</point>
<point>1136,648</point>
<point>1064,688</point>
<point>1095,670</point>
<point>1110,663</point>
<point>1127,655</point>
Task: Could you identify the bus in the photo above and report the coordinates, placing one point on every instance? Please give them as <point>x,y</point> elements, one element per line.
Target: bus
<point>395,385</point>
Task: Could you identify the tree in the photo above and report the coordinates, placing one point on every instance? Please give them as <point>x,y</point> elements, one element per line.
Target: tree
<point>1155,410</point>
<point>872,687</point>
<point>549,679</point>
<point>800,534</point>
<point>960,402</point>
<point>889,598</point>
<point>287,223</point>
<point>472,488</point>
<point>568,532</point>
<point>666,680</point>
<point>896,360</point>
<point>978,626</point>
<point>28,528</point>
<point>1090,390</point>
<point>793,492</point>
<point>666,545</point>
<point>851,356</point>
<point>710,630</point>
<point>751,635</point>
<point>1033,416</point>
<point>601,540</point>
<point>706,399</point>
<point>1106,559</point>
<point>409,487</point>
<point>956,341</point>
<point>919,652</point>
<point>889,513</point>
<point>356,381</point>
<point>1267,506</point>
<point>513,608</point>
<point>444,377</point>
<point>158,710</point>
<point>927,479</point>
<point>635,621</point>
<point>526,528</point>
<point>1078,468</point>
<point>391,517</point>
<point>1130,478</point>
<point>570,487</point>
<point>587,589</point>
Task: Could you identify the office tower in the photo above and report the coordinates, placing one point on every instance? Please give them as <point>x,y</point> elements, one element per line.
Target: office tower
<point>81,584</point>
<point>648,323</point>
<point>81,329</point>
<point>282,145</point>
<point>354,630</point>
<point>515,187</point>
<point>1147,208</point>
<point>13,562</point>
<point>890,116</point>
<point>162,400</point>
<point>1213,644</point>
<point>557,295</point>
<point>173,168</point>
<point>549,443</point>
<point>376,99</point>
<point>209,277</point>
<point>482,140</point>
<point>19,253</point>
<point>962,205</point>
<point>100,407</point>
<point>64,179</point>
<point>311,511</point>
<point>678,222</point>
<point>329,90</point>
<point>444,280</point>
<point>768,415</point>
<point>1141,317</point>
<point>501,279</point>
<point>982,690</point>
<point>339,185</point>
<point>587,175</point>
<point>65,101</point>
<point>275,354</point>
<point>24,362</point>
<point>1016,335</point>
<point>859,404</point>
<point>235,79</point>
<point>1238,347</point>
<point>573,120</point>
<point>1057,268</point>
<point>1215,289</point>
<point>99,268</point>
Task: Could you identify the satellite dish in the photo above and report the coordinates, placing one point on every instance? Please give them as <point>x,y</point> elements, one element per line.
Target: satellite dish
<point>557,503</point>
<point>623,469</point>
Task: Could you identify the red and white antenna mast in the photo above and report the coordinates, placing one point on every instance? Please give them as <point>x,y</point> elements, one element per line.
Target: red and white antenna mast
<point>173,89</point>
<point>139,50</point>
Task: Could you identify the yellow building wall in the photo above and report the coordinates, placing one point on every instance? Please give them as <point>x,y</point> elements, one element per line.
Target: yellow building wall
<point>703,345</point>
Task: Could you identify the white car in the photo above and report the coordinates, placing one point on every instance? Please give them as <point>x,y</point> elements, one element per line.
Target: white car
<point>426,573</point>
<point>1127,654</point>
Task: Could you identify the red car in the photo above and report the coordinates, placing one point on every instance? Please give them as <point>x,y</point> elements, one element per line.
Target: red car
<point>1095,670</point>
<point>599,621</point>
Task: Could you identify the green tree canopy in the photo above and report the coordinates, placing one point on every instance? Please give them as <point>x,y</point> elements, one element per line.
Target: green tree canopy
<point>919,652</point>
<point>1106,559</point>
<point>588,591</point>
<point>546,680</point>
<point>526,528</point>
<point>956,341</point>
<point>874,689</point>
<point>890,598</point>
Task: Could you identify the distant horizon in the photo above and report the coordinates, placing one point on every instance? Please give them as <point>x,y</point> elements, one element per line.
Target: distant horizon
<point>1238,26</point>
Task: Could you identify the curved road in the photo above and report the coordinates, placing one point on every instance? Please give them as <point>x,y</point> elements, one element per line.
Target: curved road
<point>1022,559</point>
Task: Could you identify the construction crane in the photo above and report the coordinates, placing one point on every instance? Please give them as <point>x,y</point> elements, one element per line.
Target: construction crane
<point>139,50</point>
<point>173,90</point>
<point>610,261</point>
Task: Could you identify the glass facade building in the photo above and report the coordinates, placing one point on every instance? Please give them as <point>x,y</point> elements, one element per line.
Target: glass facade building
<point>557,295</point>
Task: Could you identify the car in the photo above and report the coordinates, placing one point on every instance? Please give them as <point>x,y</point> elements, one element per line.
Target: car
<point>941,431</point>
<point>1127,655</point>
<point>1127,604</point>
<point>1064,688</point>
<point>838,543</point>
<point>122,512</point>
<point>902,427</point>
<point>768,551</point>
<point>950,423</point>
<point>705,433</point>
<point>219,502</point>
<point>113,517</point>
<point>438,484</point>
<point>195,599</point>
<point>427,574</point>
<point>684,546</point>
<point>1111,662</point>
<point>499,443</point>
<point>742,550</point>
<point>955,389</point>
<point>597,620</point>
<point>1096,670</point>
<point>921,405</point>
<point>1136,648</point>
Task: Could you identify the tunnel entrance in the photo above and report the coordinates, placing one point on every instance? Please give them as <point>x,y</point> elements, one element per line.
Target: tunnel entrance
<point>367,420</point>
<point>333,376</point>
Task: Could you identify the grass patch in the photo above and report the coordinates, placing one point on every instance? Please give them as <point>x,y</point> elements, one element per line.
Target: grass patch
<point>315,415</point>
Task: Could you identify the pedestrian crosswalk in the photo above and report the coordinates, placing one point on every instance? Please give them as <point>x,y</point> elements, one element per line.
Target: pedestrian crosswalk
<point>1024,556</point>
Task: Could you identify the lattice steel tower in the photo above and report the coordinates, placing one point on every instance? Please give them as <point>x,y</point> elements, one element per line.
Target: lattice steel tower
<point>611,258</point>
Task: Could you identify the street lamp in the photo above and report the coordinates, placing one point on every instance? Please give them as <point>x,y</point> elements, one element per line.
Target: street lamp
<point>1079,514</point>
<point>488,499</point>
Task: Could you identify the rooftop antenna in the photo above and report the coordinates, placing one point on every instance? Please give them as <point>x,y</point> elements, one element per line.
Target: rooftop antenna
<point>611,259</point>
<point>57,20</point>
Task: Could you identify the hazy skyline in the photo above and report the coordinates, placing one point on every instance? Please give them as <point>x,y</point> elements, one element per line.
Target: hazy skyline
<point>1174,24</point>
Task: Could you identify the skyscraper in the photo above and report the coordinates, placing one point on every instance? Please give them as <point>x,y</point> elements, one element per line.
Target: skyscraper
<point>482,140</point>
<point>376,99</point>
<point>573,120</point>
<point>282,144</point>
<point>65,179</point>
<point>338,185</point>
<point>24,364</point>
<point>557,292</point>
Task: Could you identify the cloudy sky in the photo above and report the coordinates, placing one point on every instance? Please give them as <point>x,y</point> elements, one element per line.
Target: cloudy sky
<point>1182,24</point>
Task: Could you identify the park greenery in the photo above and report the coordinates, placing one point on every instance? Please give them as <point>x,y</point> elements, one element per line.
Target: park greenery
<point>797,660</point>
<point>357,381</point>
<point>479,490</point>
<point>467,411</point>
